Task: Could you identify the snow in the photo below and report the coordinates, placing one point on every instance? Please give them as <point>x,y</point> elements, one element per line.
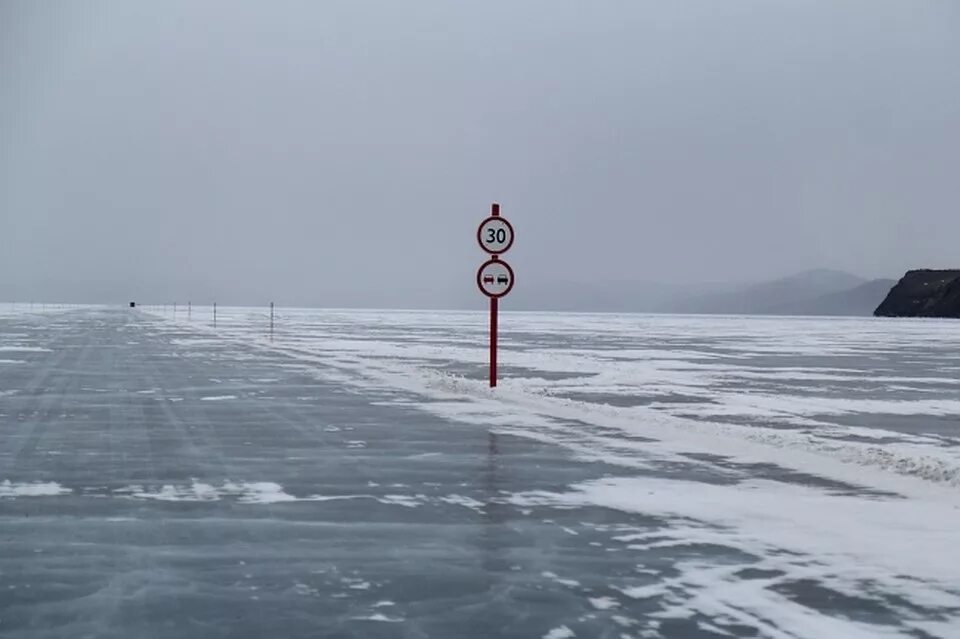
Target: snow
<point>603,603</point>
<point>357,584</point>
<point>750,515</point>
<point>258,492</point>
<point>572,583</point>
<point>401,500</point>
<point>460,500</point>
<point>643,592</point>
<point>845,542</point>
<point>261,492</point>
<point>380,617</point>
<point>559,633</point>
<point>34,489</point>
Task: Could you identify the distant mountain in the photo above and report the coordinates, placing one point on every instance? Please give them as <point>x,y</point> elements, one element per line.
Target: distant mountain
<point>788,295</point>
<point>923,293</point>
<point>636,296</point>
<point>626,296</point>
<point>816,292</point>
<point>857,301</point>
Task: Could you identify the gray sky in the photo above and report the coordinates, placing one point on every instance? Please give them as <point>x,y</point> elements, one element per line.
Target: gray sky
<point>343,152</point>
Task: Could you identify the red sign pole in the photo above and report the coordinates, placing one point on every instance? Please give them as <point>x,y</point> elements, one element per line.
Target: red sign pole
<point>493,341</point>
<point>494,312</point>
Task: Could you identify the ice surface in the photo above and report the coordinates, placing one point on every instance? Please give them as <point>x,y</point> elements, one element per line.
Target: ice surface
<point>867,409</point>
<point>637,476</point>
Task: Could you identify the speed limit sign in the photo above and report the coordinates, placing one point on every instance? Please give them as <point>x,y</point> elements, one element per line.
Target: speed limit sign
<point>495,235</point>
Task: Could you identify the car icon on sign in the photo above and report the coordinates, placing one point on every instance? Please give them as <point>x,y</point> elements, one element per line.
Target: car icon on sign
<point>503,279</point>
<point>488,279</point>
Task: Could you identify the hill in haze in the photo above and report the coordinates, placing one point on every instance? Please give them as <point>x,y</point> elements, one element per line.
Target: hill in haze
<point>858,301</point>
<point>815,292</point>
<point>792,292</point>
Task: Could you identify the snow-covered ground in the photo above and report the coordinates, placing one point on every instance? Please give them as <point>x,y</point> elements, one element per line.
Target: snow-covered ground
<point>828,447</point>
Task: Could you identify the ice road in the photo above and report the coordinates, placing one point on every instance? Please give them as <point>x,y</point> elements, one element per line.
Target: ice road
<point>352,476</point>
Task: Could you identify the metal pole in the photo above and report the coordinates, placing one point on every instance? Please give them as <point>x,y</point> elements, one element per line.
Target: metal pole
<point>189,309</point>
<point>214,314</point>
<point>494,311</point>
<point>271,320</point>
<point>494,319</point>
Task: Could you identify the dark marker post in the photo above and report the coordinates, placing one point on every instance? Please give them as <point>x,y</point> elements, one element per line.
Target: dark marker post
<point>495,276</point>
<point>214,314</point>
<point>271,320</point>
<point>494,319</point>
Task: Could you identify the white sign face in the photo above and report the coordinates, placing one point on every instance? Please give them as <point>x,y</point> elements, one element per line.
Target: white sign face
<point>495,235</point>
<point>495,278</point>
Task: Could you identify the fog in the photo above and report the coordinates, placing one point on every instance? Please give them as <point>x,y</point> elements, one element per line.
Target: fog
<point>342,153</point>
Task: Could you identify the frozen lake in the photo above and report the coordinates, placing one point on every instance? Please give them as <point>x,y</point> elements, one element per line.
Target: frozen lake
<point>354,476</point>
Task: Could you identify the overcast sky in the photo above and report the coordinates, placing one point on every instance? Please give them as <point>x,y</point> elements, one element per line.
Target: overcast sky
<point>343,152</point>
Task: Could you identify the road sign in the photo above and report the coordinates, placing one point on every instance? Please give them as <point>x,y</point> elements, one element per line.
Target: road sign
<point>495,235</point>
<point>495,278</point>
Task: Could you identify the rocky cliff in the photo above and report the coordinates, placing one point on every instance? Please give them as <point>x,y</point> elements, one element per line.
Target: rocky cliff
<point>923,293</point>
